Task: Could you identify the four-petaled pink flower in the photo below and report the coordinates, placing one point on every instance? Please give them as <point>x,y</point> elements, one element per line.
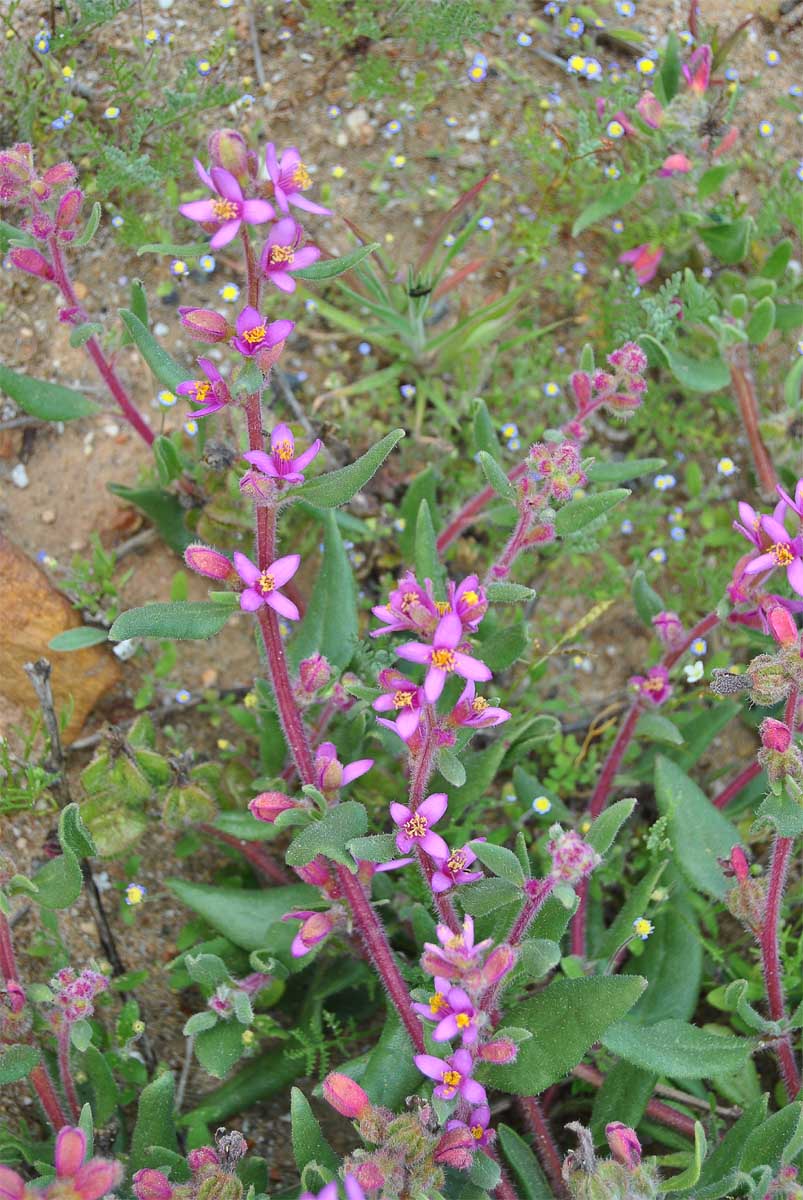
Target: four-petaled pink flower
<point>457,953</point>
<point>283,254</point>
<point>211,392</point>
<point>255,333</point>
<point>443,657</point>
<point>654,687</point>
<point>290,179</point>
<point>452,869</point>
<point>330,774</point>
<point>475,711</point>
<point>645,261</point>
<point>410,607</point>
<point>784,551</point>
<point>82,1180</point>
<point>228,208</point>
<point>281,463</point>
<point>477,1124</point>
<point>453,1075</point>
<point>415,828</point>
<point>675,164</point>
<point>262,587</point>
<point>403,697</point>
<point>453,1011</point>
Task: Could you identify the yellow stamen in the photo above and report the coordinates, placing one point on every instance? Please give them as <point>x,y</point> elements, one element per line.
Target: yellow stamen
<point>281,254</point>
<point>471,598</point>
<point>402,699</point>
<point>462,1020</point>
<point>266,583</point>
<point>479,704</point>
<point>301,177</point>
<point>416,827</point>
<point>451,1078</point>
<point>443,659</point>
<point>477,1131</point>
<point>201,389</point>
<point>224,210</point>
<point>443,607</point>
<point>283,451</point>
<point>782,554</point>
<point>408,600</point>
<point>255,336</point>
<point>437,1003</point>
<point>456,862</point>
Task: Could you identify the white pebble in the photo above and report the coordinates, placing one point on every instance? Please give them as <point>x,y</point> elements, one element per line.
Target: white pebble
<point>19,476</point>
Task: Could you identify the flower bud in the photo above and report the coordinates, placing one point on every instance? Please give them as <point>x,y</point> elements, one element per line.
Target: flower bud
<point>314,673</point>
<point>668,627</point>
<point>205,561</point>
<point>267,358</point>
<point>316,872</point>
<point>16,995</point>
<point>624,1144</point>
<point>268,805</point>
<point>368,1175</point>
<point>60,173</point>
<point>572,858</point>
<point>206,325</point>
<point>456,1149</point>
<point>775,735</point>
<point>739,864</point>
<point>345,1096</point>
<point>220,1186</point>
<point>97,1177</point>
<point>502,1051</point>
<point>769,681</point>
<point>26,259</point>
<point>650,110</point>
<point>782,625</point>
<point>228,149</point>
<point>69,208</point>
<point>204,1156</point>
<point>499,962</point>
<point>149,1184</point>
<point>580,383</point>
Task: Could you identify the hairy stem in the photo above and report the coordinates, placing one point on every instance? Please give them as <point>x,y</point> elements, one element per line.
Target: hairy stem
<point>545,1147</point>
<point>744,389</point>
<point>663,1113</point>
<point>42,1084</point>
<point>771,960</point>
<point>737,784</point>
<point>65,1071</point>
<point>94,350</point>
<point>259,859</point>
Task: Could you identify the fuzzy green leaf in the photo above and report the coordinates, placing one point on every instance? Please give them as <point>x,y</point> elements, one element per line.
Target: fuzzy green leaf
<point>330,836</point>
<point>622,472</point>
<point>17,1062</point>
<point>309,1144</point>
<point>602,833</point>
<point>330,268</point>
<point>219,1048</point>
<point>500,860</point>
<point>677,1049</point>
<point>47,401</point>
<point>575,515</point>
<point>496,477</point>
<point>182,621</point>
<point>509,593</point>
<point>244,915</point>
<point>155,1125</point>
<point>165,368</point>
<point>532,1182</point>
<point>338,487</point>
<point>699,832</point>
<point>78,639</point>
<point>613,198</point>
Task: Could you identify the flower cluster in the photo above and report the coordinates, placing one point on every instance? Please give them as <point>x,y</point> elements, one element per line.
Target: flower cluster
<point>75,1177</point>
<point>620,390</point>
<point>74,994</point>
<point>51,204</point>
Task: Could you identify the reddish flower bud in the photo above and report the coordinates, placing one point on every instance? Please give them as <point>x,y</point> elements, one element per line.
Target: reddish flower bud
<point>782,625</point>
<point>368,1175</point>
<point>499,962</point>
<point>208,562</point>
<point>267,806</point>
<point>345,1096</point>
<point>315,873</point>
<point>26,259</point>
<point>206,325</point>
<point>580,382</point>
<point>228,149</point>
<point>650,110</point>
<point>204,1156</point>
<point>63,172</point>
<point>624,1144</point>
<point>97,1177</point>
<point>314,673</point>
<point>502,1051</point>
<point>668,626</point>
<point>150,1184</point>
<point>16,995</point>
<point>69,208</point>
<point>456,1149</point>
<point>739,864</point>
<point>775,735</point>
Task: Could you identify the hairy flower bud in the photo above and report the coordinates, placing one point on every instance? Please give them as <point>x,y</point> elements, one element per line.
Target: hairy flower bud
<point>150,1184</point>
<point>775,735</point>
<point>345,1096</point>
<point>782,626</point>
<point>456,1149</point>
<point>26,259</point>
<point>572,858</point>
<point>228,149</point>
<point>60,174</point>
<point>769,681</point>
<point>580,383</point>
<point>502,1051</point>
<point>668,627</point>
<point>202,1158</point>
<point>624,1144</point>
<point>778,755</point>
<point>268,805</point>
<point>314,673</point>
<point>205,561</point>
<point>69,208</point>
<point>206,325</point>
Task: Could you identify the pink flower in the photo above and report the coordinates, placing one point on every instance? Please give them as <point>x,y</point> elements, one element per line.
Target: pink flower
<point>90,1180</point>
<point>26,259</point>
<point>415,828</point>
<point>572,858</point>
<point>281,463</point>
<point>782,626</point>
<point>262,586</point>
<point>452,870</point>
<point>468,601</point>
<point>267,806</point>
<point>675,164</point>
<point>228,209</point>
<point>443,658</point>
<point>410,607</point>
<point>283,254</point>
<point>784,551</point>
<point>453,1011</point>
<point>150,1184</point>
<point>475,711</point>
<point>668,626</point>
<point>205,325</point>
<point>453,1075</point>
<point>12,1185</point>
<point>654,687</point>
<point>330,774</point>
<point>316,928</point>
<point>213,390</point>
<point>400,696</point>
<point>650,110</point>
<point>254,333</point>
<point>477,1125</point>
<point>775,735</point>
<point>290,179</point>
<point>645,260</point>
<point>456,954</point>
<point>794,504</point>
<point>624,1144</point>
<point>697,72</point>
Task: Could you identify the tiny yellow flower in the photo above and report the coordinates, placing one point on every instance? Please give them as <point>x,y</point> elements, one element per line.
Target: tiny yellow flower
<point>223,743</point>
<point>135,893</point>
<point>643,928</point>
<point>542,804</point>
<point>67,72</point>
<point>138,1027</point>
<point>250,700</point>
<point>585,825</point>
<point>338,172</point>
<point>248,1037</point>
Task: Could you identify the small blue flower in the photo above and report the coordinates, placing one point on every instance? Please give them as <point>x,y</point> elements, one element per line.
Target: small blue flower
<point>551,388</point>
<point>726,466</point>
<point>645,66</point>
<point>111,112</point>
<point>486,222</point>
<point>333,111</point>
<point>766,129</point>
<point>151,37</point>
<point>617,225</point>
<point>179,267</point>
<point>207,263</point>
<point>699,647</point>
<point>552,9</point>
<point>579,269</point>
<point>166,398</point>
<point>772,58</point>
<point>407,390</point>
<point>677,533</point>
<point>663,483</point>
<point>229,292</point>
<point>182,696</point>
<point>796,90</point>
<point>203,66</point>
<point>41,42</point>
<point>625,8</point>
<point>575,27</point>
<point>593,68</point>
<point>190,427</point>
<point>524,39</point>
<point>510,430</point>
<point>658,555</point>
<point>393,126</point>
<point>117,220</point>
<point>364,348</point>
<point>451,122</point>
<point>731,74</point>
<point>477,72</point>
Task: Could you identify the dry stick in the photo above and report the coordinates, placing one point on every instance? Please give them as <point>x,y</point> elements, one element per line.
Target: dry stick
<point>39,675</point>
<point>548,1152</point>
<point>663,1113</point>
<point>744,389</point>
<point>255,47</point>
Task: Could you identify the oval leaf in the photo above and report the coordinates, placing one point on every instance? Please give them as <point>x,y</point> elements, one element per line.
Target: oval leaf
<point>47,401</point>
<point>329,268</point>
<point>78,639</point>
<point>677,1049</point>
<point>581,512</point>
<point>182,621</point>
<point>699,832</point>
<point>165,368</point>
<point>338,487</point>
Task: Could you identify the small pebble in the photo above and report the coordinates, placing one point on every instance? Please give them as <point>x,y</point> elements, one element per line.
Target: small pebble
<point>125,650</point>
<point>48,516</point>
<point>19,476</point>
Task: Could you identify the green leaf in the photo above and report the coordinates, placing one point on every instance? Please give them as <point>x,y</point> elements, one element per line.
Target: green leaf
<point>602,833</point>
<point>621,472</point>
<point>451,767</point>
<point>81,1035</point>
<point>726,1158</point>
<point>198,1023</point>
<point>78,639</point>
<point>423,487</point>
<point>712,179</point>
<point>762,321</point>
<point>509,593</point>
<point>155,1125</point>
<point>487,895</point>
<point>537,957</point>
<point>168,463</point>
<point>177,250</point>
<point>777,260</point>
<point>89,230</point>
<point>496,477</point>
<point>329,268</point>
<point>700,834</point>
<point>162,508</point>
<point>17,1062</point>
<point>623,1097</point>
<point>309,1144</point>
<point>10,235</point>
<point>777,1141</point>
<point>672,963</point>
<point>245,915</point>
<point>689,1177</point>
<point>657,728</point>
<point>566,1018</point>
<point>669,73</point>
<point>82,333</point>
<point>614,197</point>
<point>378,847</point>
<point>793,384</point>
<point>708,375</point>
<point>207,969</point>
<point>59,881</point>
<point>427,561</point>
<point>331,629</point>
<point>219,1048</point>
<point>532,1183</point>
<point>101,1081</point>
<point>500,860</point>
<point>390,1073</point>
<point>485,437</point>
<point>730,240</point>
<point>47,401</point>
<point>575,515</point>
<point>781,812</point>
<point>165,368</point>
<point>646,600</point>
<point>330,836</point>
<point>676,1049</point>
<point>788,317</point>
<point>338,487</point>
<point>484,1172</point>
<point>184,621</point>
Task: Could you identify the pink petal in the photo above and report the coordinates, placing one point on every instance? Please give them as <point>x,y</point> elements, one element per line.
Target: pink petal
<point>794,573</point>
<point>383,703</point>
<point>430,1066</point>
<point>280,197</point>
<point>261,460</point>
<point>250,600</point>
<point>449,632</point>
<point>226,185</point>
<point>99,1176</point>
<point>290,159</point>
<point>277,331</point>
<point>256,212</point>
<point>764,562</point>
<point>407,722</point>
<point>305,257</point>
<point>413,651</point>
<point>210,370</point>
<point>70,1151</point>
<point>356,769</point>
<point>283,232</point>
<point>445,1029</point>
<point>433,809</point>
<point>284,569</point>
<point>249,572</point>
<point>203,175</point>
<point>270,160</point>
<point>440,882</point>
<point>400,813</point>
<point>282,605</point>
<point>433,845</point>
<point>473,1092</point>
<point>304,460</point>
<point>301,201</point>
<point>471,668</point>
<point>282,433</point>
<point>434,684</point>
<point>775,529</point>
<point>284,282</point>
<point>198,210</point>
<point>249,318</point>
<point>12,1185</point>
<point>227,233</point>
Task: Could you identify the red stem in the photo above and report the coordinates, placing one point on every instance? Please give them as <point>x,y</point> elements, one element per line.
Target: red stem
<point>93,348</point>
<point>545,1146</point>
<point>42,1084</point>
<point>737,784</point>
<point>471,509</point>
<point>744,390</point>
<point>65,1072</point>
<point>255,854</point>
<point>663,1113</point>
